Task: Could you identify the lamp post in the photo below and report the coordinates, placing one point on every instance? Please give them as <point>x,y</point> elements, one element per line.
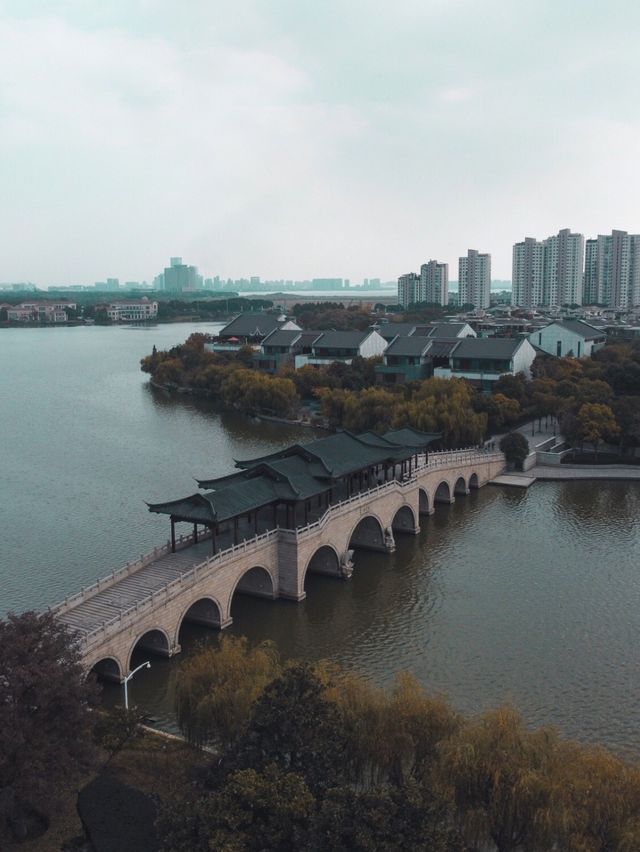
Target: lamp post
<point>126,680</point>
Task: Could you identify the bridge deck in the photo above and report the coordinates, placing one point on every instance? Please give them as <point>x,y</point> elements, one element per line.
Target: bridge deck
<point>108,603</point>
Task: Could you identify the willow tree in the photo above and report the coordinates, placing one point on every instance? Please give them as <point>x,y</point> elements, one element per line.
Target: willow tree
<point>216,688</point>
<point>500,774</point>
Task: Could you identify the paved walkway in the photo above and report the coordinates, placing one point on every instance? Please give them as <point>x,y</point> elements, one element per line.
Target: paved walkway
<point>585,471</point>
<point>566,472</point>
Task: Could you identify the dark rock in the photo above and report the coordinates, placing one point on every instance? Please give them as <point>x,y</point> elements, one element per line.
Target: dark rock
<point>117,817</point>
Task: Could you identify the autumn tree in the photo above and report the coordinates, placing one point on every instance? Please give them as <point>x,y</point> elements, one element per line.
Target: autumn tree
<point>596,799</point>
<point>499,772</point>
<point>45,734</point>
<point>444,405</point>
<point>215,690</point>
<point>597,422</point>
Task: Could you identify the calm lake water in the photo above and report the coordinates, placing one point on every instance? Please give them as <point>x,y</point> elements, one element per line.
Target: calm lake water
<point>530,597</point>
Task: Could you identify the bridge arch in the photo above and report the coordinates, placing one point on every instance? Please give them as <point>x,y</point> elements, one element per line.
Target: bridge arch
<point>154,641</point>
<point>423,501</point>
<point>474,481</point>
<point>108,668</point>
<point>256,581</point>
<point>443,493</point>
<point>325,561</point>
<point>205,610</point>
<point>367,534</point>
<point>404,520</point>
<point>461,486</point>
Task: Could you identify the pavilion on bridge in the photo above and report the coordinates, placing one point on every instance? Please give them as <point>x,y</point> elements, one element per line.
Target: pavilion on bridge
<point>295,486</point>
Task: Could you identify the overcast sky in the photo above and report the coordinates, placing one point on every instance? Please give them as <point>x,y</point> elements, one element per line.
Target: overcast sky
<point>299,139</point>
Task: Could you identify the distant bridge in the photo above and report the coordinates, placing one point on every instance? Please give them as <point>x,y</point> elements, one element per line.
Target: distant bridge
<point>144,604</point>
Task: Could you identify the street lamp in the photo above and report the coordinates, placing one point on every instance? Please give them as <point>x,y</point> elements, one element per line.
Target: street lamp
<point>126,680</point>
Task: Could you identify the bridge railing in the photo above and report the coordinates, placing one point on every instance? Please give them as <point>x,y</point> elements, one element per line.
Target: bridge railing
<point>444,458</point>
<point>439,459</point>
<point>129,568</point>
<point>171,589</point>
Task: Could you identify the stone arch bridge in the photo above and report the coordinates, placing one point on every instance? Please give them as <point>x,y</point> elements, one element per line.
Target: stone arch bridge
<point>144,604</point>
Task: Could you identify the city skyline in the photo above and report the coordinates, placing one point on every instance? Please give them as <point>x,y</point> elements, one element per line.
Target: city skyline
<point>266,141</point>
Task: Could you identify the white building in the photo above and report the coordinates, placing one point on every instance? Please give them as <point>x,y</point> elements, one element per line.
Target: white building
<point>527,289</point>
<point>408,289</point>
<point>344,346</point>
<point>132,310</point>
<point>474,279</point>
<point>612,270</point>
<point>570,337</point>
<point>563,267</point>
<point>434,283</point>
<point>482,360</point>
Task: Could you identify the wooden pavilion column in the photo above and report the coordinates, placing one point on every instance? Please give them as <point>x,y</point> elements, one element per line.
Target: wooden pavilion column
<point>306,512</point>
<point>173,536</point>
<point>235,530</point>
<point>195,533</point>
<point>255,522</point>
<point>275,515</point>
<point>214,529</point>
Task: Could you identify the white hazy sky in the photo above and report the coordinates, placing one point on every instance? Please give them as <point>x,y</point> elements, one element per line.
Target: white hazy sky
<point>294,139</point>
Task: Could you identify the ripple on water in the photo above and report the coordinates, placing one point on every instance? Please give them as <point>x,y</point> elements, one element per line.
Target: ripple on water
<point>530,596</point>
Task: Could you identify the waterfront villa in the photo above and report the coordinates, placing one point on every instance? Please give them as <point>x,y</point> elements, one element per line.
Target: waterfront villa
<point>344,346</point>
<point>40,311</point>
<point>570,337</point>
<point>253,327</point>
<point>132,310</point>
<point>483,360</point>
<point>295,486</point>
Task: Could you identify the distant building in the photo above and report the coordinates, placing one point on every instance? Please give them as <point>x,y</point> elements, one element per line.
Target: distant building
<point>563,269</point>
<point>527,278</point>
<point>569,338</point>
<point>132,310</point>
<point>178,276</point>
<point>612,270</point>
<point>41,311</point>
<point>327,284</point>
<point>474,279</point>
<point>408,289</point>
<point>434,283</point>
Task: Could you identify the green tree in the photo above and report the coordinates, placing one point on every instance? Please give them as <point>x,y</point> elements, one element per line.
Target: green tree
<point>215,689</point>
<point>295,726</point>
<point>515,447</point>
<point>45,724</point>
<point>252,810</point>
<point>405,819</point>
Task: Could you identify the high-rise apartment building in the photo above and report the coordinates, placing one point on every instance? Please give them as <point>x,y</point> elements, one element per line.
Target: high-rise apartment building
<point>179,276</point>
<point>408,289</point>
<point>563,266</point>
<point>434,283</point>
<point>612,270</point>
<point>474,279</point>
<point>526,276</point>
